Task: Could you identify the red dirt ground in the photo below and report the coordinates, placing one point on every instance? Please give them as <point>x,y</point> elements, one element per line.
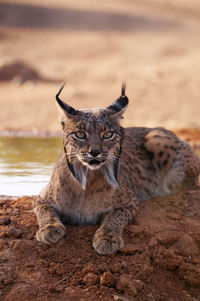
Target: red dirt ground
<point>160,260</point>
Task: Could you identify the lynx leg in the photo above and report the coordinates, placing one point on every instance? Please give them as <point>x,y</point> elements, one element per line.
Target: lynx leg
<point>50,227</point>
<point>108,238</point>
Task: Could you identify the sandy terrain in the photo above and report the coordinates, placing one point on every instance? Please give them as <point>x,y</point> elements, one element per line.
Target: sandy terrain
<point>93,47</point>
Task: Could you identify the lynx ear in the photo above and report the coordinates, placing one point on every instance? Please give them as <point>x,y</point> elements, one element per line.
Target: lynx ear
<point>68,110</point>
<point>118,107</point>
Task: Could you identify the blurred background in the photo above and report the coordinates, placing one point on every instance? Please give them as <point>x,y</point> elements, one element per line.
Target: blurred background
<point>93,46</point>
<point>153,45</point>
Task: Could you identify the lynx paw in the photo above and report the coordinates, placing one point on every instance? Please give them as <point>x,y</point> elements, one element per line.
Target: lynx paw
<point>107,243</point>
<point>51,233</point>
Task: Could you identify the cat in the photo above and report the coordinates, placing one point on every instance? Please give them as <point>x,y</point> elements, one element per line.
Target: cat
<point>105,171</point>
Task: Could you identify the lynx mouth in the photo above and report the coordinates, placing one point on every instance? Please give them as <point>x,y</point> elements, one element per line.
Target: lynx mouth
<point>94,162</point>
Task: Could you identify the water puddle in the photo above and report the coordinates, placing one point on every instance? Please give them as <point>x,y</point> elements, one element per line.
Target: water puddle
<point>26,164</point>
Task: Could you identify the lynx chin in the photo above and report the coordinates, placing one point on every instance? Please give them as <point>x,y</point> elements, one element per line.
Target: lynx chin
<point>105,171</point>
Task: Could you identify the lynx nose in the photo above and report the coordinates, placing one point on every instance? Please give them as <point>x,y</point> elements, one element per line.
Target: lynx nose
<point>95,152</point>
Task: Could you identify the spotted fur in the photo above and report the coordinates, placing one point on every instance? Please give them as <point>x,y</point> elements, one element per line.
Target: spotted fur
<point>105,170</point>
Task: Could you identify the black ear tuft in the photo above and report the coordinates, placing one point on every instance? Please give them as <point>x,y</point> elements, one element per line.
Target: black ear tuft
<point>68,110</point>
<point>123,89</point>
<point>120,104</point>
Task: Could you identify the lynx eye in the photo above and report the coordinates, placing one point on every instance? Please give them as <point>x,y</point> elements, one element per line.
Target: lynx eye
<point>108,135</point>
<point>80,135</point>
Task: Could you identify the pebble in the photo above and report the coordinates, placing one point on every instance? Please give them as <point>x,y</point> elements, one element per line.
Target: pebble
<point>187,246</point>
<point>118,267</point>
<point>166,258</point>
<point>13,232</point>
<point>174,216</point>
<point>5,220</point>
<point>107,279</point>
<point>91,279</point>
<point>90,268</point>
<point>130,249</point>
<point>168,237</point>
<point>127,284</point>
<point>190,273</point>
<point>119,298</point>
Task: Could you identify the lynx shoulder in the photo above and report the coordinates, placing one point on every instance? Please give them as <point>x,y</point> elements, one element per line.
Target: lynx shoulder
<point>105,170</point>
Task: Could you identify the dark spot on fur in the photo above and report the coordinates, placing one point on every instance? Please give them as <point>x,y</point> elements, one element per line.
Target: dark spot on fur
<point>159,165</point>
<point>146,190</point>
<point>160,154</point>
<point>138,170</point>
<point>173,148</point>
<point>166,146</point>
<point>151,155</point>
<point>165,162</point>
<point>157,144</point>
<point>151,168</point>
<point>149,180</point>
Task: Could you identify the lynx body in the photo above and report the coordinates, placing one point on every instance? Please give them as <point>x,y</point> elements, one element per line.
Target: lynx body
<point>105,170</point>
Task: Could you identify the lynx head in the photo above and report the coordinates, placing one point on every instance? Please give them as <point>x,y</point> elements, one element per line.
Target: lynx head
<point>92,139</point>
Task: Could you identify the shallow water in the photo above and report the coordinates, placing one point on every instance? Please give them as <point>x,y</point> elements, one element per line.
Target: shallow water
<point>26,164</point>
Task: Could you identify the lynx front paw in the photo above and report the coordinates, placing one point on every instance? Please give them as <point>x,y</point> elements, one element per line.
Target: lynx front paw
<point>51,233</point>
<point>107,243</point>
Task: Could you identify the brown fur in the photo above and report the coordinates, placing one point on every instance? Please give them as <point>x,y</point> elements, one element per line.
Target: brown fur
<point>134,165</point>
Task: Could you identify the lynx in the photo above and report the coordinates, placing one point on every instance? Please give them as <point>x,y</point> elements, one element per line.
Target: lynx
<point>105,171</point>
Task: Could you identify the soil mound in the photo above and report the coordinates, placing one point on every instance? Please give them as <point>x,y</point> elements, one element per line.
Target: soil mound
<point>160,259</point>
<point>21,72</point>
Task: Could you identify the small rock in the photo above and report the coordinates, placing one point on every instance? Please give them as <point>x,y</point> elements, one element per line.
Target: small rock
<point>126,284</point>
<point>90,268</point>
<point>13,232</point>
<point>190,273</point>
<point>5,220</point>
<point>166,258</point>
<point>168,237</point>
<point>91,279</point>
<point>107,279</point>
<point>130,249</point>
<point>187,246</point>
<point>138,284</point>
<point>174,216</point>
<point>118,267</point>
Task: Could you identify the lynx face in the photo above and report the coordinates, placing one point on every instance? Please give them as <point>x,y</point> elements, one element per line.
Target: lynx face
<point>92,139</point>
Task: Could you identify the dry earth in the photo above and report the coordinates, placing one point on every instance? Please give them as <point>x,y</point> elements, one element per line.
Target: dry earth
<point>160,260</point>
